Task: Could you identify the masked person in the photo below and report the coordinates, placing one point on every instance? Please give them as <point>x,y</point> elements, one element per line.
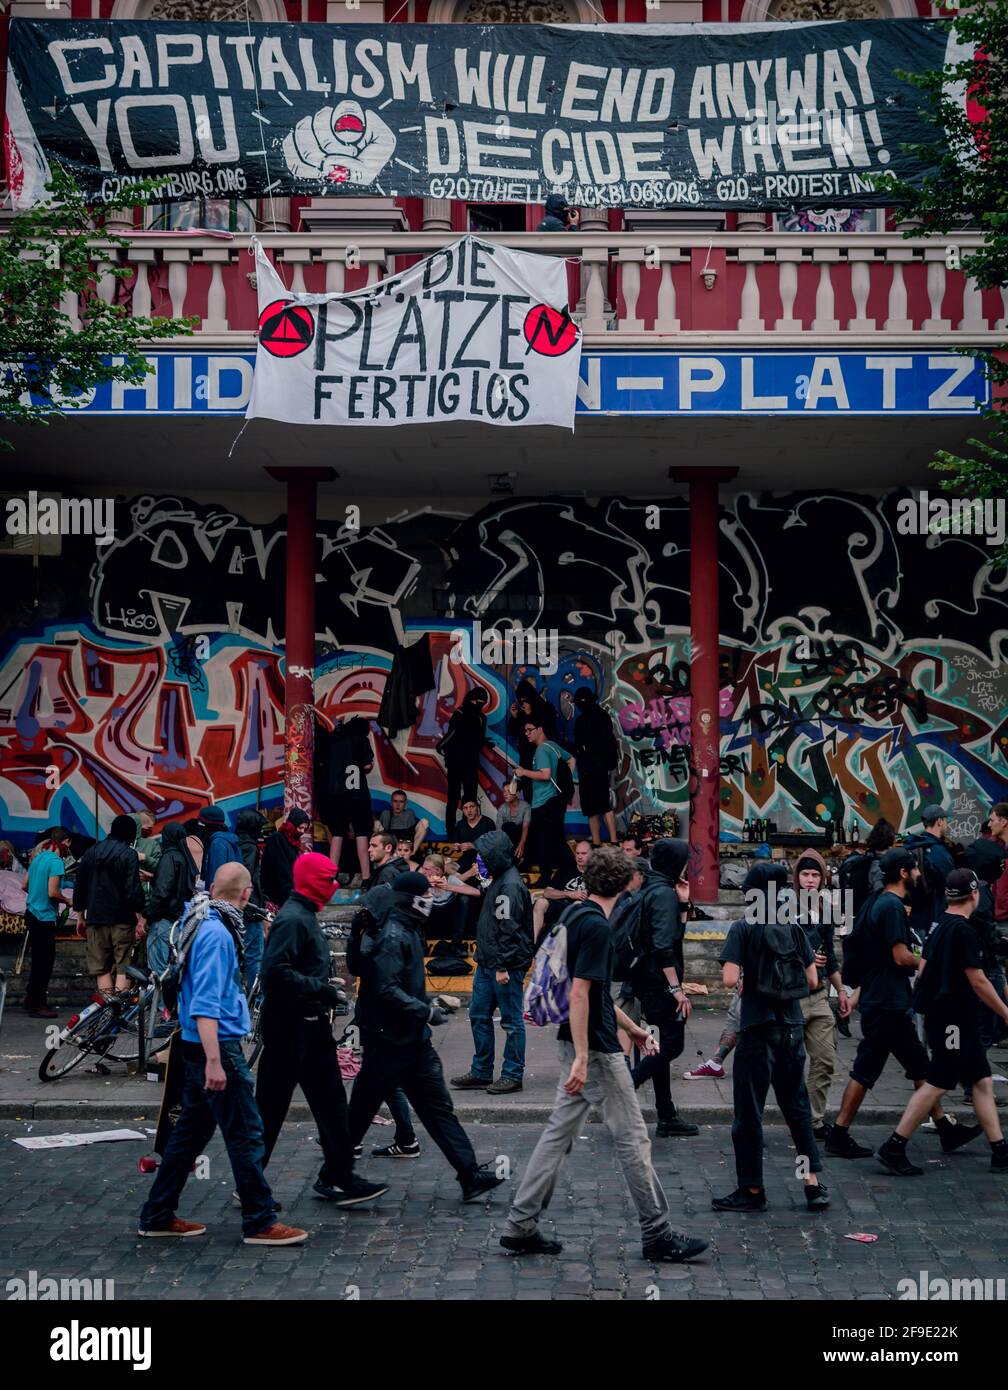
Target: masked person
<point>395,1018</point>
<point>597,755</point>
<point>298,1044</point>
<point>460,746</point>
<point>280,851</point>
<point>173,886</point>
<point>658,977</point>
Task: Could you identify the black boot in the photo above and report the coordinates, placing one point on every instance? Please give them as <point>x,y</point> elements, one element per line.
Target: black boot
<point>673,1126</point>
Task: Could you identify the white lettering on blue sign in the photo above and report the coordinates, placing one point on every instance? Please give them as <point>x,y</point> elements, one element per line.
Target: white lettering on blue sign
<point>616,383</point>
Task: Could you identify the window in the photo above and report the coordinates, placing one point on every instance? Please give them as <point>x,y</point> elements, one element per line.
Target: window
<point>496,217</point>
<point>203,214</point>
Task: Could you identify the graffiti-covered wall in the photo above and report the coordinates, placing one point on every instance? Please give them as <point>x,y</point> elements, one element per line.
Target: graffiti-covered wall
<point>862,668</point>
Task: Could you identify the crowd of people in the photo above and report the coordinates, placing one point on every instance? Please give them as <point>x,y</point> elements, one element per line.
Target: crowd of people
<point>922,964</point>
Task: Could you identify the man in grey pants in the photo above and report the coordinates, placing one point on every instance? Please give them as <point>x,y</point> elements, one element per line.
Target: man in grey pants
<point>597,1075</point>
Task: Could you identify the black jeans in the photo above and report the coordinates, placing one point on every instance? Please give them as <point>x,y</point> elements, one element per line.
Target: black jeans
<point>661,1010</point>
<point>417,1071</point>
<point>398,1105</point>
<point>234,1110</point>
<point>447,921</point>
<point>546,844</point>
<point>992,1028</point>
<point>42,943</point>
<point>770,1054</point>
<point>303,1053</point>
<point>463,781</point>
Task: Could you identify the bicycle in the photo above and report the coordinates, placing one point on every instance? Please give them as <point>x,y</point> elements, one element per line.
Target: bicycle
<point>112,1030</point>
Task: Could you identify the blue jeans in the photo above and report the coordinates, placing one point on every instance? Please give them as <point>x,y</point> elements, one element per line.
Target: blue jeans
<point>234,1110</point>
<point>487,995</point>
<point>253,944</point>
<point>157,945</point>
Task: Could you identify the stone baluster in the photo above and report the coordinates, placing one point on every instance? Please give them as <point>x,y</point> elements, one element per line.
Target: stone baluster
<point>825,320</point>
<point>973,319</point>
<point>1002,324</point>
<point>177,258</point>
<point>897,320</point>
<point>937,279</point>
<point>629,258</point>
<point>666,322</point>
<point>787,263</point>
<point>860,260</point>
<point>215,320</point>
<point>375,261</point>
<point>437,215</point>
<point>70,307</point>
<point>335,269</point>
<point>105,284</point>
<point>298,257</point>
<point>594,319</point>
<point>142,257</point>
<point>749,320</point>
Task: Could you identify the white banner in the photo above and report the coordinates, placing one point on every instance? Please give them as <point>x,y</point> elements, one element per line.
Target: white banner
<point>475,332</point>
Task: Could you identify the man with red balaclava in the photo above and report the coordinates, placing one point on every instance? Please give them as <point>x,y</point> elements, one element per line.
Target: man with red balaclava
<point>298,1044</point>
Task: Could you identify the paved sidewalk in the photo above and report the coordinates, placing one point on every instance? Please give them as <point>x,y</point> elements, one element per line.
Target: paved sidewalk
<point>122,1098</point>
<point>72,1213</point>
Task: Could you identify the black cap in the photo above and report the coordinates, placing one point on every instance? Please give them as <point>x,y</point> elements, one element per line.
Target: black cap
<point>412,883</point>
<point>961,884</point>
<point>893,860</point>
<point>299,817</point>
<point>931,813</point>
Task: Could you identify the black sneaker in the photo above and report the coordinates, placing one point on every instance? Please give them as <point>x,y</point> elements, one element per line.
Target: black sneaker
<point>740,1200</point>
<point>816,1198</point>
<point>534,1244</point>
<point>672,1248</point>
<point>676,1128</point>
<point>843,1026</point>
<point>894,1157</point>
<point>470,1082</point>
<point>394,1150</point>
<point>478,1184</point>
<point>954,1135</point>
<point>839,1144</point>
<point>821,1132</point>
<point>350,1196</point>
<point>999,1160</point>
<point>358,1151</point>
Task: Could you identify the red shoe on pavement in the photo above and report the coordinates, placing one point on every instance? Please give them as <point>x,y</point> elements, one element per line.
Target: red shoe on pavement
<point>277,1235</point>
<point>178,1228</point>
<point>707,1069</point>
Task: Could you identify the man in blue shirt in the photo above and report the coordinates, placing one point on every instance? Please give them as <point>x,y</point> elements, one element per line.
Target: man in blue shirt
<point>219,1090</point>
<point>44,883</point>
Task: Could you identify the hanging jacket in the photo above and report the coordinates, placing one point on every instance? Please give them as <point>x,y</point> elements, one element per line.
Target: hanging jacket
<point>108,887</point>
<point>276,872</point>
<point>595,746</point>
<point>503,942</point>
<point>175,878</point>
<point>465,736</point>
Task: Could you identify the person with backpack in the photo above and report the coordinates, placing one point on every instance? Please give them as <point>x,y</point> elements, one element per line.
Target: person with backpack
<point>249,828</point>
<point>298,1044</point>
<point>934,859</point>
<point>221,843</point>
<point>173,886</point>
<point>552,791</point>
<point>815,914</point>
<point>772,954</point>
<point>578,955</point>
<point>219,1091</point>
<point>657,977</point>
<point>109,900</point>
<point>503,955</point>
<point>566,886</point>
<point>879,957</point>
<point>952,990</point>
<point>881,837</point>
<point>395,1017</point>
<point>596,753</point>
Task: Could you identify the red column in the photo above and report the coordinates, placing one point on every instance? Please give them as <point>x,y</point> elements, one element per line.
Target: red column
<point>299,632</point>
<point>705,731</point>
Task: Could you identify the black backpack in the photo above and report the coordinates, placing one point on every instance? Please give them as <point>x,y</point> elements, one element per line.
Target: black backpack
<point>780,965</point>
<point>564,779</point>
<point>854,876</point>
<point>855,945</point>
<point>626,932</point>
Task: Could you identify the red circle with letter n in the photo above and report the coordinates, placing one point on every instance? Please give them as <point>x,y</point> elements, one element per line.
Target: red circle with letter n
<point>549,332</point>
<point>285,329</point>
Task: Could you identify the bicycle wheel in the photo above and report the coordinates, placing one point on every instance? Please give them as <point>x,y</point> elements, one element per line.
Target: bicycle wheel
<point>252,1043</point>
<point>76,1043</point>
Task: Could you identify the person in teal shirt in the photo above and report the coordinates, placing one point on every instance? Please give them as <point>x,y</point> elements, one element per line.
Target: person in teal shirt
<point>547,846</point>
<point>44,885</point>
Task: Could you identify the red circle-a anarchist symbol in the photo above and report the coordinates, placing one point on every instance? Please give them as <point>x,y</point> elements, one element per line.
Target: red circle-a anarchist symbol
<point>285,329</point>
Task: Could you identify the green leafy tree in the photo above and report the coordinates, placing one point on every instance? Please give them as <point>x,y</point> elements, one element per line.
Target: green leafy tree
<point>53,255</point>
<point>969,187</point>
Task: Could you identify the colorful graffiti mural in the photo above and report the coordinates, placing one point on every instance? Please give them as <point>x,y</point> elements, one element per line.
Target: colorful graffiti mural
<point>862,670</point>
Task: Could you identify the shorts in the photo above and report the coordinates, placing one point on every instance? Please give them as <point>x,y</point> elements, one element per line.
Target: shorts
<point>109,947</point>
<point>954,1058</point>
<point>350,814</point>
<point>888,1033</point>
<point>594,793</point>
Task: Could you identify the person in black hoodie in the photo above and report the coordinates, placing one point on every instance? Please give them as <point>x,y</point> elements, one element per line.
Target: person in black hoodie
<point>173,886</point>
<point>597,754</point>
<point>282,847</point>
<point>298,1044</point>
<point>249,828</point>
<point>395,1018</point>
<point>109,898</point>
<point>503,956</point>
<point>986,859</point>
<point>460,746</point>
<point>658,975</point>
<point>559,217</point>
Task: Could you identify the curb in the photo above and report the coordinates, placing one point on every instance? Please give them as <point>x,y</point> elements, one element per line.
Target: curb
<point>520,1114</point>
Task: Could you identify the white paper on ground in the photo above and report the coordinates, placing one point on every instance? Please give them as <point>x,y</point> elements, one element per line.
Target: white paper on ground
<point>71,1141</point>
